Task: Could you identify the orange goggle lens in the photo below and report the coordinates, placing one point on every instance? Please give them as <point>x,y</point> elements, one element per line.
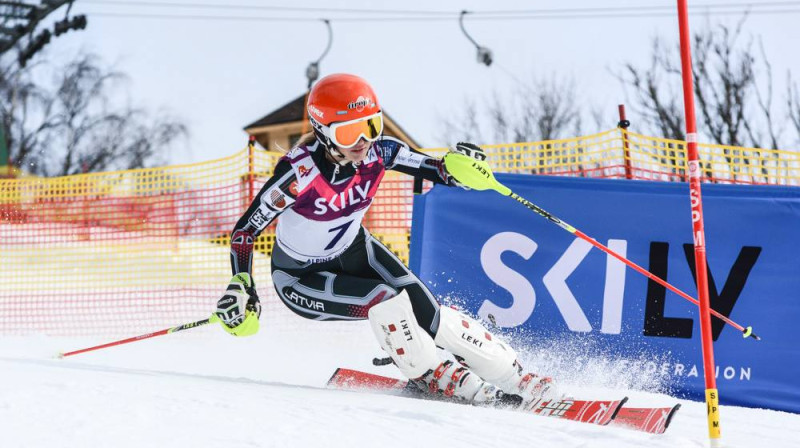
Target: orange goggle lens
<point>348,133</point>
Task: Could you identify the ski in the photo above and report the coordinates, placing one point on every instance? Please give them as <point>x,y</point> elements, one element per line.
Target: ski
<point>650,420</point>
<point>599,412</point>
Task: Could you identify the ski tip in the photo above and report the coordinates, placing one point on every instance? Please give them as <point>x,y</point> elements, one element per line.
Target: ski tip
<point>59,355</point>
<point>671,414</point>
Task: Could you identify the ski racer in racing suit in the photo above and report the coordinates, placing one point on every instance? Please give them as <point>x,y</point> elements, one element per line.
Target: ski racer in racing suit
<point>327,266</point>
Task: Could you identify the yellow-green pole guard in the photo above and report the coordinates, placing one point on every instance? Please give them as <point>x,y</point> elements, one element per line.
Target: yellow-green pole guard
<point>475,174</point>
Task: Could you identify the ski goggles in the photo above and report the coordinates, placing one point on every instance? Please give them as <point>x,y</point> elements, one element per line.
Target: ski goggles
<point>346,134</point>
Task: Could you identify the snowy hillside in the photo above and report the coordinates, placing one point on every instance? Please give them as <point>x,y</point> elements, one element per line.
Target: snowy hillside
<point>203,388</point>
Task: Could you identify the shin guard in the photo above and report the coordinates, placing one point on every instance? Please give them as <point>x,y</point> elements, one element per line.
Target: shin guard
<point>399,335</point>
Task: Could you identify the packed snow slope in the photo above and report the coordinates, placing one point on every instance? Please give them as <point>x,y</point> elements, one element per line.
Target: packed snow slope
<point>204,388</point>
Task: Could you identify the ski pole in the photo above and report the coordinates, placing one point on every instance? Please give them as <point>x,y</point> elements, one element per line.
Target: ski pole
<point>188,326</point>
<point>478,176</point>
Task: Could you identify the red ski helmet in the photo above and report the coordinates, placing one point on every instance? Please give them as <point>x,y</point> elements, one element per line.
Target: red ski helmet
<point>343,108</point>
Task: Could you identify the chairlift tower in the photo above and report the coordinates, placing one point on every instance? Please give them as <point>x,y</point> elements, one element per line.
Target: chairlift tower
<point>18,18</point>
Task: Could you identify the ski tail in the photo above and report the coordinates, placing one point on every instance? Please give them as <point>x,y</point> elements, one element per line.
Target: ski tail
<point>356,379</point>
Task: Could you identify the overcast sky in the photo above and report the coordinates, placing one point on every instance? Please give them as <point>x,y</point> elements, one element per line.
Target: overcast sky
<point>221,74</point>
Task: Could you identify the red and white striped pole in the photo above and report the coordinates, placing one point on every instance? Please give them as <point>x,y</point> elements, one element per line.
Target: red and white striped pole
<point>163,332</point>
<point>709,370</point>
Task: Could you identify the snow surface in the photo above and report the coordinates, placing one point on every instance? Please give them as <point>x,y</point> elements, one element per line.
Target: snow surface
<point>204,388</point>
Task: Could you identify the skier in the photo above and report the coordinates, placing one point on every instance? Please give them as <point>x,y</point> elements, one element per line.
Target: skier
<point>327,266</point>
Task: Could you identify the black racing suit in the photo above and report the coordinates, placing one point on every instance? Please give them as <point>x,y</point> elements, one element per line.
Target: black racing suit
<point>363,272</point>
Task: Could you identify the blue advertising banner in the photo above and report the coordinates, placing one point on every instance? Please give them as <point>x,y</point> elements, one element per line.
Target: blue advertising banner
<point>501,259</point>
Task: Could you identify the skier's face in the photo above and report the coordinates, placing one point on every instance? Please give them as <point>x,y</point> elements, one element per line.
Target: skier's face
<point>356,153</point>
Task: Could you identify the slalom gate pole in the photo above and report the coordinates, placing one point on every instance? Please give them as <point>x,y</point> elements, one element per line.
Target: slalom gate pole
<point>188,326</point>
<point>478,176</point>
<point>695,197</point>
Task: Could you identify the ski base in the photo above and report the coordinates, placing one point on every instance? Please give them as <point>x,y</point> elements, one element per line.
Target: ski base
<point>599,412</point>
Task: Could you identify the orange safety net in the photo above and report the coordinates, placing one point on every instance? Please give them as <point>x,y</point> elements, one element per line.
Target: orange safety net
<point>120,252</point>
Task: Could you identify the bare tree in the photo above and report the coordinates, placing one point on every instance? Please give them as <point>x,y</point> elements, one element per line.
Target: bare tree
<point>768,135</point>
<point>793,103</point>
<point>546,109</point>
<point>464,126</point>
<point>555,112</point>
<point>733,109</point>
<point>73,126</point>
<point>662,110</point>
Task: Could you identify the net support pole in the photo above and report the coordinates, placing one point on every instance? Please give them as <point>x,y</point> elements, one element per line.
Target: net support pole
<point>251,170</point>
<point>712,396</point>
<point>5,156</point>
<point>626,152</point>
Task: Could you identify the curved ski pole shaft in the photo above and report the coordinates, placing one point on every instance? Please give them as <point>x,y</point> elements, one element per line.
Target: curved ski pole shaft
<point>141,337</point>
<point>747,332</point>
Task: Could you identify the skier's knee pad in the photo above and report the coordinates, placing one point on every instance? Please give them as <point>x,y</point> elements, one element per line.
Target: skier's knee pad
<point>486,355</point>
<point>399,334</point>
